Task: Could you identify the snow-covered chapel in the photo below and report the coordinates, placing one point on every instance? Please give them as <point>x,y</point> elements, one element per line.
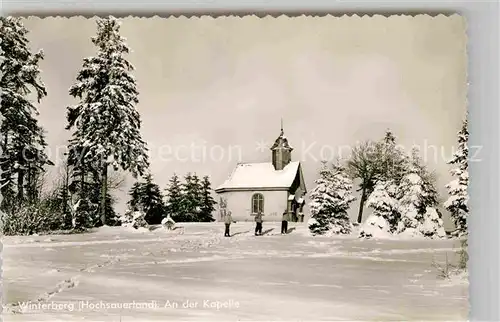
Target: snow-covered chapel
<point>269,187</point>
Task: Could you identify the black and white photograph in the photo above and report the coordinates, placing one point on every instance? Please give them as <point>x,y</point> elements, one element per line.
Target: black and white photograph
<point>235,168</point>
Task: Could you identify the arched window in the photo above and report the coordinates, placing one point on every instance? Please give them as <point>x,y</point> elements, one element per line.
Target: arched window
<point>257,203</point>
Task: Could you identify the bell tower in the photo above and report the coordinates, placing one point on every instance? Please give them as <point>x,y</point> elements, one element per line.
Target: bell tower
<point>281,151</point>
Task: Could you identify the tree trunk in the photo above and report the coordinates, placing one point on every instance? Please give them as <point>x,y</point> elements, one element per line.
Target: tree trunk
<point>82,181</point>
<point>20,186</point>
<point>29,182</point>
<point>66,212</point>
<point>362,204</point>
<point>104,190</point>
<point>32,190</point>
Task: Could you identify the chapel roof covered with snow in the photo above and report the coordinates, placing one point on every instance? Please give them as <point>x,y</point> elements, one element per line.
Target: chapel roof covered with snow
<point>260,175</point>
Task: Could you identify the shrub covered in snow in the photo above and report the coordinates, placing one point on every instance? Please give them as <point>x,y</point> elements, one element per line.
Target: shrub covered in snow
<point>84,214</point>
<point>134,219</point>
<point>331,199</point>
<point>432,225</point>
<point>312,222</point>
<point>168,222</point>
<point>385,210</point>
<point>375,226</point>
<point>30,219</point>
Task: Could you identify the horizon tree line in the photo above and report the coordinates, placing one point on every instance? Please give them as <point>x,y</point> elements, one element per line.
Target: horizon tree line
<point>187,201</point>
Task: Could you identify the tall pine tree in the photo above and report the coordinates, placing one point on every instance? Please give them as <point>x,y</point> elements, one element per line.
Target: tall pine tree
<point>173,205</point>
<point>207,201</point>
<point>191,197</point>
<point>392,160</point>
<point>2,214</point>
<point>62,198</point>
<point>105,121</point>
<point>83,187</point>
<point>146,196</point>
<point>457,203</point>
<point>22,139</point>
<point>135,195</point>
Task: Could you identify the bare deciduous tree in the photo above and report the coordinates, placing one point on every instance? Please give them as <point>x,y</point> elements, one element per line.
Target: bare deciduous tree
<point>364,165</point>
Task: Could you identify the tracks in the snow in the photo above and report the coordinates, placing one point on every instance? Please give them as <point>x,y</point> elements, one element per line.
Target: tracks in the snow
<point>69,283</point>
<point>19,307</point>
<point>180,245</point>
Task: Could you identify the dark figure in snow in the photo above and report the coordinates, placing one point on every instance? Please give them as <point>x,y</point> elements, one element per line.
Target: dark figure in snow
<point>228,219</point>
<point>284,222</point>
<point>258,224</point>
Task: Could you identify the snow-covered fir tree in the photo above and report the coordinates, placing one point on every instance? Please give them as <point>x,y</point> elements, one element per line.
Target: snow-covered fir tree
<point>207,201</point>
<point>85,183</point>
<point>191,197</point>
<point>410,216</point>
<point>321,204</point>
<point>417,201</point>
<point>146,195</point>
<point>457,203</point>
<point>173,199</point>
<point>340,222</point>
<point>2,214</point>
<point>22,139</point>
<point>331,198</point>
<point>392,159</point>
<point>430,197</point>
<point>383,220</point>
<point>61,202</point>
<point>410,195</point>
<point>135,196</point>
<point>105,121</point>
<point>83,214</point>
<point>432,225</point>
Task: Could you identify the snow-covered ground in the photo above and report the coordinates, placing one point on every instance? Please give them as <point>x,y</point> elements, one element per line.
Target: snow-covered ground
<point>194,273</point>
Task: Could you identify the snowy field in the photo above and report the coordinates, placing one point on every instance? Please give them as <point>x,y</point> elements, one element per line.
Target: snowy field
<point>115,274</point>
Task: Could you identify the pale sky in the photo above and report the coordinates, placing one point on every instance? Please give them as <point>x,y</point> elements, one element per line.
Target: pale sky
<point>225,83</point>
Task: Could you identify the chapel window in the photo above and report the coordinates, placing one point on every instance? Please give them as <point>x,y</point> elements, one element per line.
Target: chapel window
<point>257,203</point>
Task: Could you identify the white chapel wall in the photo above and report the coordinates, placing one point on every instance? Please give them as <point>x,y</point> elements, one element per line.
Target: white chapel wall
<point>240,202</point>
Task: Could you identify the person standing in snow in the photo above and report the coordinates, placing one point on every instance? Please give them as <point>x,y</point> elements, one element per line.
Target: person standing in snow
<point>284,222</point>
<point>228,219</point>
<point>258,224</point>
